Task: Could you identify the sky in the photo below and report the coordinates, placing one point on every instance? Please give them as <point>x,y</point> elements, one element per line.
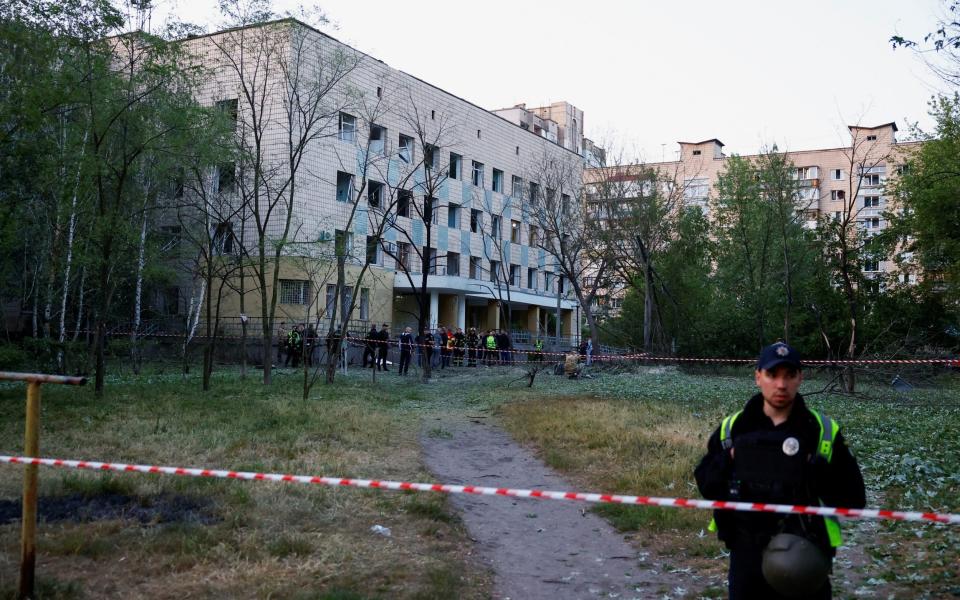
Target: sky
<point>752,73</point>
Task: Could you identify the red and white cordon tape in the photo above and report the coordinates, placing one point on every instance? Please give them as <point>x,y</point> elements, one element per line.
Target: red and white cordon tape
<point>850,513</point>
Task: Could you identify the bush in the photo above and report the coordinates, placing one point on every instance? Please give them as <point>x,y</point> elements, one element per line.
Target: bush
<point>13,357</point>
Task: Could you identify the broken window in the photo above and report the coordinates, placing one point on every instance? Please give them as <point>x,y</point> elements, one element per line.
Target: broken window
<point>455,160</point>
<point>344,187</point>
<point>375,194</point>
<point>347,127</point>
<point>406,148</point>
<point>227,178</point>
<point>404,199</point>
<point>378,139</point>
<point>453,264</point>
<point>223,239</point>
<point>477,174</point>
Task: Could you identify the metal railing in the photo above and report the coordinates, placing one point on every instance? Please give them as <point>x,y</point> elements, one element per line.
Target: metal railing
<point>31,447</point>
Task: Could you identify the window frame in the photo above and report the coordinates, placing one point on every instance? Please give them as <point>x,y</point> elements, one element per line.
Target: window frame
<point>453,258</point>
<point>477,175</point>
<point>496,227</point>
<point>453,215</point>
<point>404,201</point>
<point>378,194</point>
<point>456,166</point>
<point>345,132</point>
<point>476,220</point>
<point>295,297</point>
<point>405,148</point>
<point>349,189</point>
<point>497,181</point>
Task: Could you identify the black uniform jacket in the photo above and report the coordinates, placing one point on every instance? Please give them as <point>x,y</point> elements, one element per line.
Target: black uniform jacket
<point>768,467</point>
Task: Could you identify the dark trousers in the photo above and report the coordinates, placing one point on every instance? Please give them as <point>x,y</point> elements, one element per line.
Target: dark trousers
<point>404,362</point>
<point>444,358</point>
<point>746,582</point>
<point>370,353</point>
<point>382,358</point>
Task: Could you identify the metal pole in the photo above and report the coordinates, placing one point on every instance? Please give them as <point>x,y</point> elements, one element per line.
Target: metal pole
<point>31,447</point>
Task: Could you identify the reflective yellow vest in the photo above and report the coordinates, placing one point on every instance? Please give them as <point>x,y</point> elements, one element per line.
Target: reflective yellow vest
<point>828,433</point>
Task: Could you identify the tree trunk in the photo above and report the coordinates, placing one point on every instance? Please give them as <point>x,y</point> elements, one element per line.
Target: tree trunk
<point>647,306</point>
<point>80,297</point>
<point>101,317</point>
<point>138,296</point>
<point>243,323</point>
<point>62,330</point>
<point>193,319</point>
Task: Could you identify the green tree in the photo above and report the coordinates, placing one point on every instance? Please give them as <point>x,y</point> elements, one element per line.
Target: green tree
<point>929,188</point>
<point>746,251</point>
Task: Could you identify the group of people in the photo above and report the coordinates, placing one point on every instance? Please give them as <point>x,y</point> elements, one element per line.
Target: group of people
<point>299,341</point>
<point>446,347</point>
<point>375,347</point>
<point>453,347</point>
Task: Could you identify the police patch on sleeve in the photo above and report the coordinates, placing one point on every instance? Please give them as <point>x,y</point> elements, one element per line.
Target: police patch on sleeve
<point>791,446</point>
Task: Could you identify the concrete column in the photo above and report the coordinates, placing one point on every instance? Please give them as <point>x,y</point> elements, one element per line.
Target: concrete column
<point>461,311</point>
<point>533,320</point>
<point>566,327</point>
<point>493,314</point>
<point>434,309</point>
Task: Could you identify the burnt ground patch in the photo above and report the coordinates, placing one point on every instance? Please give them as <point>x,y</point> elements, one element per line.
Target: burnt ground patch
<point>147,510</point>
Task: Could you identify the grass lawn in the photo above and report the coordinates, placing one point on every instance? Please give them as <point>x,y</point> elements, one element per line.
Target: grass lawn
<point>169,537</point>
<point>645,433</point>
<point>216,538</point>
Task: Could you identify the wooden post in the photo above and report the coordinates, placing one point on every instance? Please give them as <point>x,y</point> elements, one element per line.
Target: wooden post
<point>28,547</point>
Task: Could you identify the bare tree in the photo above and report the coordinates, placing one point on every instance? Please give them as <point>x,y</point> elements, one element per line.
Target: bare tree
<point>498,251</point>
<point>842,232</point>
<point>634,210</point>
<point>556,205</point>
<point>289,81</point>
<point>209,214</point>
<point>370,202</point>
<point>418,205</point>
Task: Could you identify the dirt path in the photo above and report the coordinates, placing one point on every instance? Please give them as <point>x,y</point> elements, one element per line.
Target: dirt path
<point>538,549</point>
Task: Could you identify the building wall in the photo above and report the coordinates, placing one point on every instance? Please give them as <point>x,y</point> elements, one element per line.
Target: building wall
<point>823,175</point>
<point>473,133</point>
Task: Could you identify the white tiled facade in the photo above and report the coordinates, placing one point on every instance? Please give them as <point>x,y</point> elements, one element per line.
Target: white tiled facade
<point>490,148</point>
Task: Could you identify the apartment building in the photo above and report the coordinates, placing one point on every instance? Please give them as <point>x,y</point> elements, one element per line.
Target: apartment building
<point>389,137</point>
<point>826,178</point>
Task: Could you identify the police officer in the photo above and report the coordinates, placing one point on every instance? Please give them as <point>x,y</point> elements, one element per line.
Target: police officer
<point>406,348</point>
<point>778,450</point>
